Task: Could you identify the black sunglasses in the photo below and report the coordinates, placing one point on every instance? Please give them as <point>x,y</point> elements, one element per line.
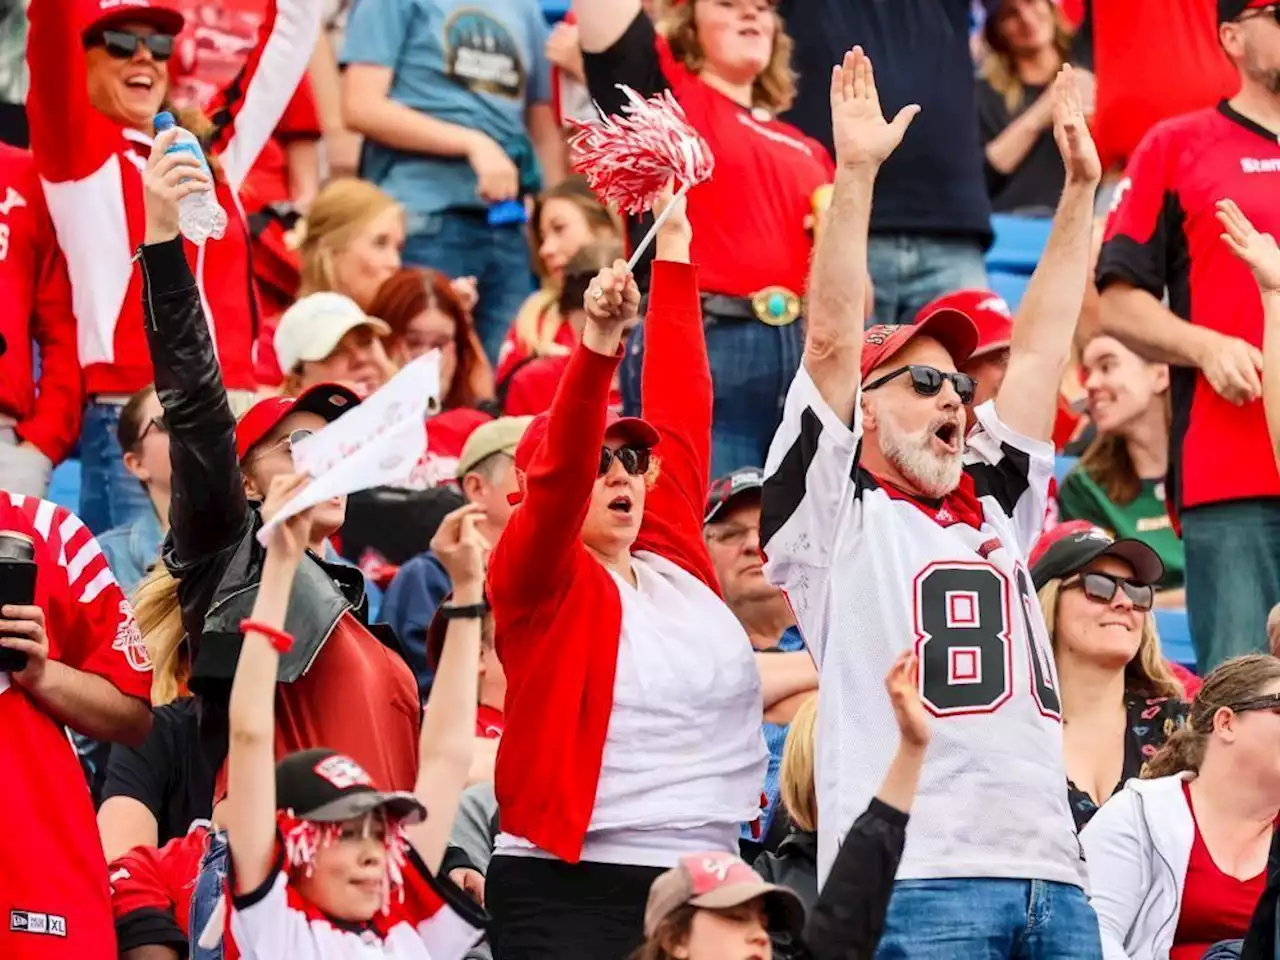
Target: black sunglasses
<point>927,381</point>
<point>1272,11</point>
<point>123,44</point>
<point>634,460</point>
<point>1270,701</point>
<point>1102,588</point>
<point>155,423</point>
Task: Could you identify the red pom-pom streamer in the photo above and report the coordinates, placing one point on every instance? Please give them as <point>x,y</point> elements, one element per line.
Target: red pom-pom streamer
<point>628,160</point>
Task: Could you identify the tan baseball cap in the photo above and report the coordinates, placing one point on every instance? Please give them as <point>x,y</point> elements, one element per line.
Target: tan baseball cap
<point>313,326</point>
<point>497,436</point>
<point>718,881</point>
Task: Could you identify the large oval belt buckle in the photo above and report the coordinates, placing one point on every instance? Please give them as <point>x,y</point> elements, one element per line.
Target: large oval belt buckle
<point>775,306</point>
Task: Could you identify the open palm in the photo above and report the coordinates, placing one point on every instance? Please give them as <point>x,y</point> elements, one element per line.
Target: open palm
<point>1258,250</point>
<point>1071,130</point>
<point>861,134</point>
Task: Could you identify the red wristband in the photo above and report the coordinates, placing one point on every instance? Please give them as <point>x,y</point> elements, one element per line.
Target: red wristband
<point>282,641</point>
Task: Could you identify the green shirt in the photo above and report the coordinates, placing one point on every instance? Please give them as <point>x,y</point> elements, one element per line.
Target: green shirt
<point>1144,519</point>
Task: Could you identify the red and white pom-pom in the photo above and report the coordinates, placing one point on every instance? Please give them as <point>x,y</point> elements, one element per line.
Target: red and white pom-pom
<point>304,838</point>
<point>628,160</point>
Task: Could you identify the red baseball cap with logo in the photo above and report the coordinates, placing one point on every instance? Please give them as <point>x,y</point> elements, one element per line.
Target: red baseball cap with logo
<point>952,328</point>
<point>100,14</point>
<point>615,428</point>
<point>989,312</point>
<point>329,400</point>
<point>718,881</point>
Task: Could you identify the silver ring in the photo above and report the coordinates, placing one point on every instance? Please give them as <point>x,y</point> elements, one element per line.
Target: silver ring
<point>597,293</point>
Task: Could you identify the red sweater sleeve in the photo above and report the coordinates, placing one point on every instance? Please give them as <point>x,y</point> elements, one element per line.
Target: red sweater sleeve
<point>676,386</point>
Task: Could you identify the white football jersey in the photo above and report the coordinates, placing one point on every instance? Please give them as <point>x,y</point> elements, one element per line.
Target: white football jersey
<point>870,571</point>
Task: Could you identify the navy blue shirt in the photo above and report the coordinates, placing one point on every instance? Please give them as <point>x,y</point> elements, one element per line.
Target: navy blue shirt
<point>934,182</point>
<point>412,600</point>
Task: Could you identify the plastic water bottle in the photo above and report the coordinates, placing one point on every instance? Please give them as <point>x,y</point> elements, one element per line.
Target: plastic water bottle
<point>199,214</point>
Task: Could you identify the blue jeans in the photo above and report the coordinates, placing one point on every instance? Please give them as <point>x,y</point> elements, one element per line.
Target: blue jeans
<point>989,919</point>
<point>752,365</point>
<point>908,271</point>
<point>110,496</point>
<point>1233,576</point>
<point>211,885</point>
<point>462,244</point>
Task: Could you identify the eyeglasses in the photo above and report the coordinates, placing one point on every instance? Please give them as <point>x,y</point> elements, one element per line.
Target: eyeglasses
<point>1102,588</point>
<point>731,535</point>
<point>927,381</point>
<point>289,442</point>
<point>634,460</point>
<point>155,423</point>
<point>1270,701</point>
<point>123,44</point>
<point>1272,11</point>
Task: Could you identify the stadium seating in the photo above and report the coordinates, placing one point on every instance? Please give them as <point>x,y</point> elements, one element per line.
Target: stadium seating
<point>1175,637</point>
<point>554,10</point>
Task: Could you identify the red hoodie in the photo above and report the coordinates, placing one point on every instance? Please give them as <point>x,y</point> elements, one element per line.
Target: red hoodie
<point>557,612</point>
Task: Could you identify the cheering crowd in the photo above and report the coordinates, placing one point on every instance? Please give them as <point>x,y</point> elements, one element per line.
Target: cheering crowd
<point>735,602</point>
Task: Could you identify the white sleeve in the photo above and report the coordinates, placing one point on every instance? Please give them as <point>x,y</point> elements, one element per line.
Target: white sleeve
<point>1011,469</point>
<point>807,505</point>
<point>1112,844</point>
<point>266,926</point>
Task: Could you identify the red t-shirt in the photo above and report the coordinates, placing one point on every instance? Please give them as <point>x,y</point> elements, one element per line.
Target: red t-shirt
<point>151,891</point>
<point>489,722</point>
<point>1215,906</point>
<point>1163,234</point>
<point>1154,60</point>
<point>53,875</point>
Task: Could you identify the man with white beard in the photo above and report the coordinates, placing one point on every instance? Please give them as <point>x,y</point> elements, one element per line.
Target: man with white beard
<point>888,528</point>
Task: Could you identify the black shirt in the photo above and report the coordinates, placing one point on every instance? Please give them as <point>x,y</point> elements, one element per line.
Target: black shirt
<point>1035,185</point>
<point>933,183</point>
<point>168,774</point>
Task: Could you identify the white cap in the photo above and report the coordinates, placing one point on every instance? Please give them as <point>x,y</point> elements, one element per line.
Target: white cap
<point>313,326</point>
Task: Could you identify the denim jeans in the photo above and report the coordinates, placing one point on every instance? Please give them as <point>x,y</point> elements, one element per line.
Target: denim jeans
<point>462,244</point>
<point>910,270</point>
<point>211,886</point>
<point>110,496</point>
<point>989,919</point>
<point>1233,576</point>
<point>752,365</point>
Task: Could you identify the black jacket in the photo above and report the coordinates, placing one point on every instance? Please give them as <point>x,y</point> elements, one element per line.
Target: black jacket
<point>211,548</point>
<point>794,865</point>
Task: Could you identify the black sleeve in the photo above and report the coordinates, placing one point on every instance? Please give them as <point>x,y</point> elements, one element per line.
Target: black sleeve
<point>1007,480</point>
<point>150,927</point>
<point>1260,942</point>
<point>632,60</point>
<point>993,118</point>
<point>848,919</point>
<point>143,772</point>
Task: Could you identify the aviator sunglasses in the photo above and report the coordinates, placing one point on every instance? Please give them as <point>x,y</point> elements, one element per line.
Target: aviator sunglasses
<point>634,460</point>
<point>123,44</point>
<point>1102,587</point>
<point>927,381</point>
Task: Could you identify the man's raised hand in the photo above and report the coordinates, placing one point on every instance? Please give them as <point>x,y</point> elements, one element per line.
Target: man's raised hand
<point>862,136</point>
<point>1071,131</point>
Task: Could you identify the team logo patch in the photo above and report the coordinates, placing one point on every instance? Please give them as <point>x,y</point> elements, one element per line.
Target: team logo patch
<point>45,924</point>
<point>343,772</point>
<point>710,871</point>
<point>129,640</point>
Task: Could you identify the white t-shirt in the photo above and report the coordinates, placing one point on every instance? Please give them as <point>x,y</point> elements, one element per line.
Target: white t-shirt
<point>870,571</point>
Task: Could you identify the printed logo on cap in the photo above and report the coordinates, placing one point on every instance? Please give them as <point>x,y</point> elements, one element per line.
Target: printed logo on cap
<point>878,335</point>
<point>343,772</point>
<point>710,871</point>
<point>996,305</point>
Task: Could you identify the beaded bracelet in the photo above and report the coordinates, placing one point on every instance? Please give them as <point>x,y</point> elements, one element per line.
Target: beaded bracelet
<point>282,641</point>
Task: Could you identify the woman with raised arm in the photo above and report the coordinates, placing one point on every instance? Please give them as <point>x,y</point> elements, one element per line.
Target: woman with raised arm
<point>325,861</point>
<point>633,704</point>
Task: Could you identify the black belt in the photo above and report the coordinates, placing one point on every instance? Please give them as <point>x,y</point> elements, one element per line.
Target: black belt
<point>774,306</point>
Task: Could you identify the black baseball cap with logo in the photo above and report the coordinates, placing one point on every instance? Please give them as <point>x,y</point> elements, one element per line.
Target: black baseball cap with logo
<point>325,786</point>
<point>725,490</point>
<point>1070,547</point>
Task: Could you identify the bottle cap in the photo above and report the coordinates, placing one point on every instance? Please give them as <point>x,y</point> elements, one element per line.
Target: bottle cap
<point>164,121</point>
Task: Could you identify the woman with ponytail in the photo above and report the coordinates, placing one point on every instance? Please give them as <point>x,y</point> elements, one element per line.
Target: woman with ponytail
<point>1177,861</point>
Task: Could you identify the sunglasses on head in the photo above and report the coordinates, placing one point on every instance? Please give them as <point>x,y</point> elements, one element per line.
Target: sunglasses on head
<point>1102,587</point>
<point>295,437</point>
<point>123,44</point>
<point>1269,701</point>
<point>928,381</point>
<point>634,459</point>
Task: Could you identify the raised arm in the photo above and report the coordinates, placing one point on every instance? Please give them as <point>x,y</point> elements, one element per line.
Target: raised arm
<point>208,506</point>
<point>1046,321</point>
<point>601,23</point>
<point>838,280</point>
<point>1262,256</point>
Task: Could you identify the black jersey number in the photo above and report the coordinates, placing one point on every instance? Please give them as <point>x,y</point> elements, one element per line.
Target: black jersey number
<point>965,649</point>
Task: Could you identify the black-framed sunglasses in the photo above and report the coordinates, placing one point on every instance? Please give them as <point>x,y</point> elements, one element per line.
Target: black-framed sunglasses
<point>927,381</point>
<point>634,460</point>
<point>1272,11</point>
<point>155,423</point>
<point>1102,587</point>
<point>1270,701</point>
<point>293,439</point>
<point>123,44</point>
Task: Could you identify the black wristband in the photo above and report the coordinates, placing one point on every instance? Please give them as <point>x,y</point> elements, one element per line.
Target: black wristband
<point>474,611</point>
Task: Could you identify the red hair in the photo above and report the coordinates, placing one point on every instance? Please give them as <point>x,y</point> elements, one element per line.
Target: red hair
<point>411,291</point>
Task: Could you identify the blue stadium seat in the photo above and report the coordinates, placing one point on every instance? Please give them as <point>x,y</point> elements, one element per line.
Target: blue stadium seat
<point>64,486</point>
<point>1018,244</point>
<point>1011,286</point>
<point>1063,465</point>
<point>554,10</point>
<point>1175,637</point>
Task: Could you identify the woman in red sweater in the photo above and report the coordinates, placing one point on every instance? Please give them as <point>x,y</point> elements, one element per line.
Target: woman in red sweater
<point>633,704</point>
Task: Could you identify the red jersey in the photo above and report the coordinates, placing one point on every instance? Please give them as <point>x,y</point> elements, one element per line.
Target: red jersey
<point>1163,235</point>
<point>1154,60</point>
<point>37,298</point>
<point>91,167</point>
<point>53,886</point>
<point>151,891</point>
<point>489,722</point>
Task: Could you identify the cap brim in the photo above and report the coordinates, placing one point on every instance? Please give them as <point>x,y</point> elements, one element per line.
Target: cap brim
<point>633,428</point>
<point>723,506</point>
<point>984,349</point>
<point>321,349</point>
<point>786,910</point>
<point>1147,566</point>
<point>162,19</point>
<point>952,328</point>
<point>328,400</point>
<point>399,805</point>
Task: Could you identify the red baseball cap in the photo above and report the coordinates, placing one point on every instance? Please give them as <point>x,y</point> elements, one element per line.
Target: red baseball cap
<point>989,312</point>
<point>952,328</point>
<point>718,881</point>
<point>329,400</point>
<point>615,427</point>
<point>99,14</point>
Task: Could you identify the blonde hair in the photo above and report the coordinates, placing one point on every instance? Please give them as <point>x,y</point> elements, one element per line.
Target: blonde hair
<point>155,604</point>
<point>997,67</point>
<point>774,89</point>
<point>1147,674</point>
<point>338,214</point>
<point>1233,682</point>
<point>798,791</point>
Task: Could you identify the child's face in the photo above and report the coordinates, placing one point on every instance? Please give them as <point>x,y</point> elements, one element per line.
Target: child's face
<point>347,875</point>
